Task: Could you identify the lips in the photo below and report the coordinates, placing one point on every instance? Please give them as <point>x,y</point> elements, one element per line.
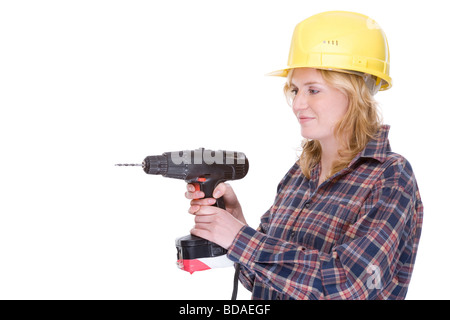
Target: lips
<point>304,119</point>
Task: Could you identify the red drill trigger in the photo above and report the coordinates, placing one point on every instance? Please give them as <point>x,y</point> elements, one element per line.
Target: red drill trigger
<point>197,185</point>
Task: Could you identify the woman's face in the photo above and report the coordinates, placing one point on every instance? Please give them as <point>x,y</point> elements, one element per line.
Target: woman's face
<point>317,106</point>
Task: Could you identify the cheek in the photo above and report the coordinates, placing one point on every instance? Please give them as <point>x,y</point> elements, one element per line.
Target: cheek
<point>338,107</point>
<point>330,111</point>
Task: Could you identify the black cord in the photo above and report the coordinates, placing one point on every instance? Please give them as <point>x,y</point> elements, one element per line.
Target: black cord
<point>237,268</point>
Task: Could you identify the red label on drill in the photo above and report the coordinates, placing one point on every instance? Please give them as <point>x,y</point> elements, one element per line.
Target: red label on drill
<point>192,265</point>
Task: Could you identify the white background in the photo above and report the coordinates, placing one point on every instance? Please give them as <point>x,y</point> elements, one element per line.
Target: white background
<point>87,84</point>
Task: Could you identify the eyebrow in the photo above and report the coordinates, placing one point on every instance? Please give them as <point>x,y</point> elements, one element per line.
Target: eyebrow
<point>308,83</point>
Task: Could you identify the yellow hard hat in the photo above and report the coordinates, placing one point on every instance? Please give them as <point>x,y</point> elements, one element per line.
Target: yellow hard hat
<point>342,41</point>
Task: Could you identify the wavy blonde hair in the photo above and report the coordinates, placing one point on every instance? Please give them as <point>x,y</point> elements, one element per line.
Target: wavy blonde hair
<point>358,126</point>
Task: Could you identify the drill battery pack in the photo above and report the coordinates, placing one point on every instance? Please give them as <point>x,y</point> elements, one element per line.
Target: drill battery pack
<point>198,254</point>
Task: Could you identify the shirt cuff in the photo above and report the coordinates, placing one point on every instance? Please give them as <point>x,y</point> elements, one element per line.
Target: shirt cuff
<point>245,246</point>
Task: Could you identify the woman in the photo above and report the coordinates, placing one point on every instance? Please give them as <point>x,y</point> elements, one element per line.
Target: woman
<point>347,218</point>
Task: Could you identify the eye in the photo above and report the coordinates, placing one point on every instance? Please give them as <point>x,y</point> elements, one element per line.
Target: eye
<point>294,91</point>
<point>313,91</point>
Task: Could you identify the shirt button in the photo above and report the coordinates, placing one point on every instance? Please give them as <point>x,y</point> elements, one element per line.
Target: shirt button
<point>307,205</point>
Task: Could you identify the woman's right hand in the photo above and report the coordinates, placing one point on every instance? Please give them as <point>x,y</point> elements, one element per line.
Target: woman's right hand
<point>224,190</point>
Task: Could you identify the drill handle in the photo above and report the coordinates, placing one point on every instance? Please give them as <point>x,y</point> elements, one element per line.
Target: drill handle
<point>208,186</point>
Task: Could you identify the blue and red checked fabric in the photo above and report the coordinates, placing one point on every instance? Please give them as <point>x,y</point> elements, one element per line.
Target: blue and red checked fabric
<point>353,237</point>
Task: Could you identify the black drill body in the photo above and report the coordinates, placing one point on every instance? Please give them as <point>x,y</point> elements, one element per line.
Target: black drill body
<point>201,167</point>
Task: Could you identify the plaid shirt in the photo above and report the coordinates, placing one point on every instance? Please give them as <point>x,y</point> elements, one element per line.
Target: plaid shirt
<point>353,237</point>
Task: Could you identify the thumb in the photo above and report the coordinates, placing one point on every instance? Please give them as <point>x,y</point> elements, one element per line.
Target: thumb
<point>220,190</point>
<point>226,191</point>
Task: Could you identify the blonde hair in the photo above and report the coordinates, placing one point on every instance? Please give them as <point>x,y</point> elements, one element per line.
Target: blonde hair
<point>359,125</point>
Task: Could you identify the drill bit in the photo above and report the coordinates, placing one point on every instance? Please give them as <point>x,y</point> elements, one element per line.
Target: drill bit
<point>129,164</point>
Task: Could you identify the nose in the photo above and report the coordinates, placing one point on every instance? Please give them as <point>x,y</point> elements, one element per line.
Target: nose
<point>300,102</point>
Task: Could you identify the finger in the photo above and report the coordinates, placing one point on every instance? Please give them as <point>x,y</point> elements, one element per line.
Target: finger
<point>207,210</point>
<point>203,219</point>
<point>203,202</point>
<point>194,209</point>
<point>194,195</point>
<point>202,233</point>
<point>193,192</point>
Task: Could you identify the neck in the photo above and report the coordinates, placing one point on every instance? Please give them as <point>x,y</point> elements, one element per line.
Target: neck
<point>329,156</point>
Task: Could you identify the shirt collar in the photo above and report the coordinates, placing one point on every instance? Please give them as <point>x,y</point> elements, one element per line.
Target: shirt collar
<point>376,148</point>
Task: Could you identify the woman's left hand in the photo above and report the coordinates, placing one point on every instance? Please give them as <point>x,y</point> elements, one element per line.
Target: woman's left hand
<point>216,225</point>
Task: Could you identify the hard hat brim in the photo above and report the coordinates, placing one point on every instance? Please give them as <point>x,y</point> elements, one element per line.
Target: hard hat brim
<point>279,73</point>
<point>387,83</point>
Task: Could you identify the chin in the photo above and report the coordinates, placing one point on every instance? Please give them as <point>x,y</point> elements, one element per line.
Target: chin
<point>308,134</point>
<point>311,134</point>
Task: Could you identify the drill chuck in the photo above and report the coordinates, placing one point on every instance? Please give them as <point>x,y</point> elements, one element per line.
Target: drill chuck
<point>155,165</point>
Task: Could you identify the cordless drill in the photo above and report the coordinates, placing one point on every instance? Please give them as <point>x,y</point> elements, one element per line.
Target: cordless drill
<point>205,169</point>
